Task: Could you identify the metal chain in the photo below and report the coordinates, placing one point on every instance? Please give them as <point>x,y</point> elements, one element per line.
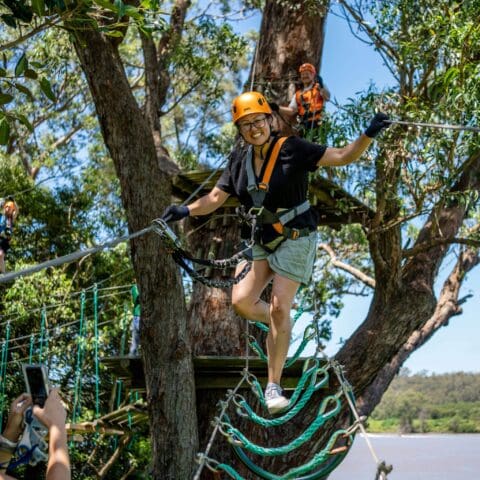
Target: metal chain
<point>172,243</point>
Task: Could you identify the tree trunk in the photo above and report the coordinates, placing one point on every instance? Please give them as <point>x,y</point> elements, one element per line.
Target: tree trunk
<point>145,191</point>
<point>291,33</point>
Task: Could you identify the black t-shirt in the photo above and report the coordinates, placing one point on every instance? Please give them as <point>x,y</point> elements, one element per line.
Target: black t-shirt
<point>289,182</point>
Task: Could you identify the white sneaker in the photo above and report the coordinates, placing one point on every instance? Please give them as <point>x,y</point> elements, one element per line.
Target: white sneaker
<point>274,398</point>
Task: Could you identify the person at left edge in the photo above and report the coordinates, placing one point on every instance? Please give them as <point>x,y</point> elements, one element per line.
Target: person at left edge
<point>10,212</point>
<point>285,259</point>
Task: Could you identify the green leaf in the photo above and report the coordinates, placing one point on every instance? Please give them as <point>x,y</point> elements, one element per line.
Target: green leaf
<point>21,66</point>
<point>24,121</point>
<point>106,4</point>
<point>133,12</point>
<point>47,89</point>
<point>38,7</point>
<point>9,20</point>
<point>3,72</point>
<point>29,73</point>
<point>24,89</point>
<point>5,98</point>
<point>4,131</point>
<point>113,33</point>
<point>120,7</point>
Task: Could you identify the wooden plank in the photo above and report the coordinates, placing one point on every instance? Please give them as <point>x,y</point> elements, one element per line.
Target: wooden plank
<point>210,371</point>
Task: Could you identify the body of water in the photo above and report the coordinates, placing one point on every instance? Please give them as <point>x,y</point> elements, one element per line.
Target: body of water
<point>414,457</point>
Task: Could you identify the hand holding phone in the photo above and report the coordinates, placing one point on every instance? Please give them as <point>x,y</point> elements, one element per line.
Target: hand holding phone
<point>36,381</point>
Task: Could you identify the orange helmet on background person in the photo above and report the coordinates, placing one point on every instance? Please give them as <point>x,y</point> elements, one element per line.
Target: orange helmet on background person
<point>247,103</point>
<point>307,67</point>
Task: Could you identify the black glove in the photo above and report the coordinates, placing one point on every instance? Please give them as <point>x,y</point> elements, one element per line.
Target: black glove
<point>378,122</point>
<point>174,213</point>
<point>274,106</point>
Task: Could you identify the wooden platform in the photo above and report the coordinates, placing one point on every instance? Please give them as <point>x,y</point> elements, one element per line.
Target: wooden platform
<point>210,372</point>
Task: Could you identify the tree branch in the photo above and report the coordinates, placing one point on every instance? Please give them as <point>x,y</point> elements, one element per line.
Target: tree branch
<point>166,46</point>
<point>423,247</point>
<point>448,305</point>
<point>359,275</point>
<point>378,41</point>
<point>49,23</point>
<point>441,227</point>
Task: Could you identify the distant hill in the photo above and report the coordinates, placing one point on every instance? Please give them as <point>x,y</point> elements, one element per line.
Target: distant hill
<point>425,403</point>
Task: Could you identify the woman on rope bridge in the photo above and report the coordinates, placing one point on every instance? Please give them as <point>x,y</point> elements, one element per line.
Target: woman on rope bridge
<point>270,178</point>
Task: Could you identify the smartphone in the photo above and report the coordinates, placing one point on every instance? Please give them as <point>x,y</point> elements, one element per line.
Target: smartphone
<point>36,381</point>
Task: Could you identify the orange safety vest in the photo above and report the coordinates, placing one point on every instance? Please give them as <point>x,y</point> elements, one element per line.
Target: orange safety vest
<point>310,103</point>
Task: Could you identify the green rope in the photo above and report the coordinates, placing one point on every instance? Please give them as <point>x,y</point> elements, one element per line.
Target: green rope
<point>244,409</point>
<point>264,327</point>
<point>261,326</point>
<point>238,438</point>
<point>308,335</point>
<point>129,413</point>
<point>3,370</point>
<point>42,333</point>
<point>30,350</point>
<point>78,368</point>
<point>318,460</point>
<point>97,375</point>
<point>118,399</point>
<point>258,390</point>
<point>123,340</point>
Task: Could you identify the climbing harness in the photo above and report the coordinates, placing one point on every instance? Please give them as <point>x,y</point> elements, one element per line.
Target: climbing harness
<point>258,191</point>
<point>310,104</point>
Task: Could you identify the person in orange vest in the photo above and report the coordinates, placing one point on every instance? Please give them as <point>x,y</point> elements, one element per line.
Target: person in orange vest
<point>308,102</point>
<point>270,180</point>
<point>10,212</point>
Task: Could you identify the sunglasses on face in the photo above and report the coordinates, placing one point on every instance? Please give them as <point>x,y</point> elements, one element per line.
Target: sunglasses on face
<point>257,123</point>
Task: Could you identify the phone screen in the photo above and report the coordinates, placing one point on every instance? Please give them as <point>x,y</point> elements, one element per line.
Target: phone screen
<point>36,384</point>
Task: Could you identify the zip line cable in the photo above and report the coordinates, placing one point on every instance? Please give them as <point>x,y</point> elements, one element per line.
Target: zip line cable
<point>7,277</point>
<point>435,125</point>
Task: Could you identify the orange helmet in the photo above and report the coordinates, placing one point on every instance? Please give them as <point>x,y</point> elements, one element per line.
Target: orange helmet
<point>307,67</point>
<point>247,103</point>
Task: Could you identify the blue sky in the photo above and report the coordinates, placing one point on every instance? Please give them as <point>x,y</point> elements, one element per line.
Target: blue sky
<point>349,66</point>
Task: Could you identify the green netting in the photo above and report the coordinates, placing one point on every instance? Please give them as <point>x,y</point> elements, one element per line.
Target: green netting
<point>238,438</point>
<point>310,375</point>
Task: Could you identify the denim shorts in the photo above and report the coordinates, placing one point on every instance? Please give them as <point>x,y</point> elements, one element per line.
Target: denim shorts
<point>293,259</point>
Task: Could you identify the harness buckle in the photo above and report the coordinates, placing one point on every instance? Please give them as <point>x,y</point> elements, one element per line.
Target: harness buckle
<point>263,186</point>
<point>295,234</point>
<point>255,211</point>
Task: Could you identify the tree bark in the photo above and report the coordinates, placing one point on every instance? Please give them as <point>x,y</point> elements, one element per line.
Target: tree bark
<point>145,191</point>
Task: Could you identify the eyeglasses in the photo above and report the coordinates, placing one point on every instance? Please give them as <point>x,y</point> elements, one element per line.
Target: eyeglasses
<point>247,126</point>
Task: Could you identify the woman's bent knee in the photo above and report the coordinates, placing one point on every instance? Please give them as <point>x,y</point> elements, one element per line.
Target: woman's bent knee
<point>242,305</point>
